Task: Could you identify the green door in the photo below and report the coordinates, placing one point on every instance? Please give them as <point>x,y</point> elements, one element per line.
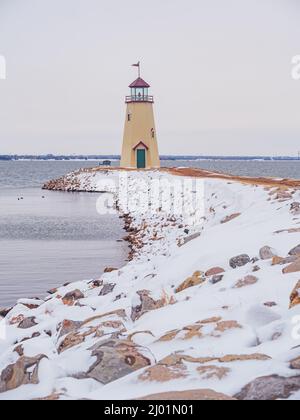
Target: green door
<point>141,158</point>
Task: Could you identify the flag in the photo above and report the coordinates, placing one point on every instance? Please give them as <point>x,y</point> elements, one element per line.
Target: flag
<point>136,65</point>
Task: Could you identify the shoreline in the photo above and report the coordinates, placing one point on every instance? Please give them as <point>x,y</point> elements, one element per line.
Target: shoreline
<point>150,308</point>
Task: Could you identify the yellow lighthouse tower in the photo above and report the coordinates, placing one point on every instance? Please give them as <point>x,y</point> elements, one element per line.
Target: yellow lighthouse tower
<point>140,148</point>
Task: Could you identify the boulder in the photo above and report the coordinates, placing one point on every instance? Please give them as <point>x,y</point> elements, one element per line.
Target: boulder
<point>216,279</point>
<point>269,388</point>
<point>270,304</point>
<point>52,291</point>
<point>116,359</point>
<point>246,281</point>
<point>239,261</point>
<point>197,278</point>
<point>283,261</point>
<point>4,312</point>
<point>110,269</point>
<point>193,395</point>
<point>292,268</point>
<point>147,303</point>
<point>188,239</point>
<point>23,372</point>
<point>107,288</point>
<point>295,251</point>
<point>295,296</point>
<point>295,208</point>
<point>223,326</point>
<point>213,372</point>
<point>295,364</point>
<point>71,297</point>
<point>71,340</point>
<point>266,253</point>
<point>229,218</point>
<point>27,323</point>
<point>214,271</point>
<point>68,326</point>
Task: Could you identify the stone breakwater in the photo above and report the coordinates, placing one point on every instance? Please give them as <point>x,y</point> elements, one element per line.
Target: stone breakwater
<point>207,308</point>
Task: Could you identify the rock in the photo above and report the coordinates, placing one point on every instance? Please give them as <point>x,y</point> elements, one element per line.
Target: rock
<point>243,358</point>
<point>246,281</point>
<point>115,359</point>
<point>266,253</point>
<point>147,304</point>
<point>212,372</point>
<point>27,323</point>
<point>110,269</point>
<point>19,350</point>
<point>283,195</point>
<point>107,288</point>
<point>292,230</point>
<point>4,312</point>
<point>168,369</point>
<point>214,271</point>
<point>68,326</point>
<point>270,304</point>
<point>295,251</point>
<point>197,278</point>
<point>193,395</point>
<point>292,268</point>
<point>216,279</point>
<point>23,372</point>
<point>256,268</point>
<point>295,364</point>
<point>283,261</point>
<point>229,218</point>
<point>71,297</point>
<point>239,261</point>
<point>269,388</point>
<point>295,296</point>
<point>34,335</point>
<point>211,320</point>
<point>295,208</point>
<point>223,326</point>
<point>173,366</point>
<point>97,283</point>
<point>189,239</point>
<point>52,291</point>
<point>71,340</point>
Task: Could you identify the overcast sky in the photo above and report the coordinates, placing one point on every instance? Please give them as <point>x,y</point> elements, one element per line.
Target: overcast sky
<point>220,71</point>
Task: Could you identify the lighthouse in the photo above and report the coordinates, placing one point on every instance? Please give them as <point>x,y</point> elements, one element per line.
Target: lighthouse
<point>140,149</point>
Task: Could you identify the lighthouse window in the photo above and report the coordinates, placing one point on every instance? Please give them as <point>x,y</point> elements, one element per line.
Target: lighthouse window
<point>129,117</point>
<point>152,133</point>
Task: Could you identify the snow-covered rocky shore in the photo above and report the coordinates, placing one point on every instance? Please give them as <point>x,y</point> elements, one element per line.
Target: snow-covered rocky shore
<point>207,307</point>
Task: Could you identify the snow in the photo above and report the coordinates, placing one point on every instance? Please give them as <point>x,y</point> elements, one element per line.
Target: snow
<point>160,266</point>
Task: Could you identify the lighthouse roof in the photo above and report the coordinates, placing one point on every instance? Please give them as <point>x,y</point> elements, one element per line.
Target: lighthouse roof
<point>139,83</point>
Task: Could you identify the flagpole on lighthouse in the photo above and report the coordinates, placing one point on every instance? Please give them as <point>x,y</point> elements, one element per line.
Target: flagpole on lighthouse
<point>138,65</point>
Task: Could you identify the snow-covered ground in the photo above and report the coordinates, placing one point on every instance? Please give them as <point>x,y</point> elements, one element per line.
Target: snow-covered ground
<point>183,314</point>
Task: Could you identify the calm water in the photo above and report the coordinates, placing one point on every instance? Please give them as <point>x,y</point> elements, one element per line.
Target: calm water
<point>50,238</point>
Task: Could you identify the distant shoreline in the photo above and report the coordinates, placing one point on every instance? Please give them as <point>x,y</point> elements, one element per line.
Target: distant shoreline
<point>116,158</point>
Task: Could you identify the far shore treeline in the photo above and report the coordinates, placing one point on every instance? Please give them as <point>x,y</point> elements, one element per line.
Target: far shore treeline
<point>163,157</point>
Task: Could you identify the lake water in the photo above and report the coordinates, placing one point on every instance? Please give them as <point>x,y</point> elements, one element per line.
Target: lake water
<point>49,238</point>
<point>277,169</point>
